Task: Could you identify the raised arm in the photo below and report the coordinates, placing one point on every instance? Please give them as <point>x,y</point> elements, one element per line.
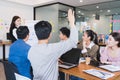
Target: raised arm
<point>71,18</point>
<point>66,45</point>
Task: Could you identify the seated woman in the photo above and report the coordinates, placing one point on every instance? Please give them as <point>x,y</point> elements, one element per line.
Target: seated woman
<point>89,46</point>
<point>111,53</point>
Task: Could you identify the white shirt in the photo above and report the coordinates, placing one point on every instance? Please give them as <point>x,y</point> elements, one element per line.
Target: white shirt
<point>90,46</point>
<point>14,33</point>
<point>44,57</point>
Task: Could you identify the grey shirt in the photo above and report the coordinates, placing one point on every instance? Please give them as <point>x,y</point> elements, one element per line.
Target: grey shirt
<point>44,57</point>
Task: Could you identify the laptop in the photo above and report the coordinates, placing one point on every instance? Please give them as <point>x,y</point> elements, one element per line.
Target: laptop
<point>70,59</point>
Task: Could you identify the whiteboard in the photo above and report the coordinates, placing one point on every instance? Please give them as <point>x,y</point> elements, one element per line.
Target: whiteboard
<point>32,36</point>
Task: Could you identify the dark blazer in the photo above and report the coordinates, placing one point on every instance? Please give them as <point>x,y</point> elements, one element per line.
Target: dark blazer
<point>12,38</point>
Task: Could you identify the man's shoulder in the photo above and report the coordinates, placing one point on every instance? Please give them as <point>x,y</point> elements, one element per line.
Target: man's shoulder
<point>20,43</point>
<point>34,47</point>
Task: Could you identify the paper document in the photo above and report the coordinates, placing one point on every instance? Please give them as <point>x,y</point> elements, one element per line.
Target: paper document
<point>99,73</point>
<point>111,68</point>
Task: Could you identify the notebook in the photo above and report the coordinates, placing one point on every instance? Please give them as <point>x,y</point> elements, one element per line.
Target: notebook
<point>70,59</point>
<point>111,68</point>
<point>99,73</point>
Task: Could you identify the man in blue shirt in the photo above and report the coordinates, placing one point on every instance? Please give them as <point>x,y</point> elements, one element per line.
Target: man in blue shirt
<point>19,52</point>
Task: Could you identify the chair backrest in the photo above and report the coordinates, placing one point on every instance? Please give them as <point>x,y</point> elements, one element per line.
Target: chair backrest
<point>98,55</point>
<point>71,56</point>
<point>8,36</point>
<point>9,69</point>
<point>2,72</point>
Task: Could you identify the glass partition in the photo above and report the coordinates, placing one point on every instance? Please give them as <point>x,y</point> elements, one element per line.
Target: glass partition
<point>56,14</point>
<point>49,13</point>
<point>103,18</point>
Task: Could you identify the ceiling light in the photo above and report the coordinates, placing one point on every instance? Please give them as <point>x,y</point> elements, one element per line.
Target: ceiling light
<point>82,13</point>
<point>93,15</point>
<point>81,0</point>
<point>97,6</point>
<point>108,10</point>
<point>79,11</point>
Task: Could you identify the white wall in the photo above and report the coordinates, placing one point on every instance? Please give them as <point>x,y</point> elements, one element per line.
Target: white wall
<point>7,11</point>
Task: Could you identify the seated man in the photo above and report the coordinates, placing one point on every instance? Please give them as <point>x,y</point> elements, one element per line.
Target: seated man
<point>19,52</point>
<point>64,35</point>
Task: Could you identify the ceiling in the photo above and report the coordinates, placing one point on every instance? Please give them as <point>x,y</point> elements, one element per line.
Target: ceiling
<point>86,7</point>
<point>106,8</point>
<point>69,2</point>
<point>101,6</point>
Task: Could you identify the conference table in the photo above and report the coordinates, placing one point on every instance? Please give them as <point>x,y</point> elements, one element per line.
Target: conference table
<point>78,72</point>
<point>3,44</point>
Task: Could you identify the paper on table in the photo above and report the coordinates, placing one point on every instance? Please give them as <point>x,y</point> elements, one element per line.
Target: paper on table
<point>110,67</point>
<point>99,73</point>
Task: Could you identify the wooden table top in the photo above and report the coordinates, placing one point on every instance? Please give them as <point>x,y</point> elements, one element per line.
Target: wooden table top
<point>5,43</point>
<point>78,72</point>
<point>101,44</point>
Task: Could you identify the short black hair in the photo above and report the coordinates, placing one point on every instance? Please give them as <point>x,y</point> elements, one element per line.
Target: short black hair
<point>22,32</point>
<point>43,30</point>
<point>65,31</point>
<point>116,36</point>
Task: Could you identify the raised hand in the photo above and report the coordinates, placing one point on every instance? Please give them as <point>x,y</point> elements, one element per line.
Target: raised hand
<point>71,18</point>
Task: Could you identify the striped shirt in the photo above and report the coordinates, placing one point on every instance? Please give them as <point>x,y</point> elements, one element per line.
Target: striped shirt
<point>44,57</point>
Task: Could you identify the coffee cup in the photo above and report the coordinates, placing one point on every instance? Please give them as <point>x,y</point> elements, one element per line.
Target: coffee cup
<point>87,60</point>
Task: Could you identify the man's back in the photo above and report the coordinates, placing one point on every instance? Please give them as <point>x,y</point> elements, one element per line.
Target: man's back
<point>43,62</point>
<point>44,57</point>
<point>18,56</point>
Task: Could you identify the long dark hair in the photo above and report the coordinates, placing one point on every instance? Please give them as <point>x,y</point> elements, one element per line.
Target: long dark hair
<point>12,25</point>
<point>92,35</point>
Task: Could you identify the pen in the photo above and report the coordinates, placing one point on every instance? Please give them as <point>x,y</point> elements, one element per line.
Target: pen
<point>103,73</point>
